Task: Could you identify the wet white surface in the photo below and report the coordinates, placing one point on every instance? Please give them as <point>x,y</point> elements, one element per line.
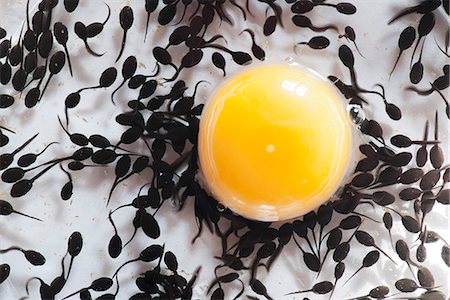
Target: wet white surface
<point>87,212</point>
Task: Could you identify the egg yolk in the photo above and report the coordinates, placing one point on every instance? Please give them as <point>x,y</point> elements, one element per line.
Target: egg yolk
<point>274,142</point>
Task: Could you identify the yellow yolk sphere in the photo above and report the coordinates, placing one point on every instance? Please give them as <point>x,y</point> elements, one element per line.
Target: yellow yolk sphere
<point>274,142</point>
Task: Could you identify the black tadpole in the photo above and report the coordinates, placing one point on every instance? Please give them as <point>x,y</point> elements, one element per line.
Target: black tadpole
<point>126,18</point>
<point>115,244</point>
<point>257,51</point>
<point>150,6</point>
<point>369,260</point>
<point>71,5</point>
<point>57,62</point>
<point>423,7</point>
<point>351,36</point>
<point>33,257</point>
<point>219,62</point>
<point>62,36</point>
<point>405,41</point>
<point>320,288</point>
<point>317,42</point>
<point>7,209</point>
<point>305,22</point>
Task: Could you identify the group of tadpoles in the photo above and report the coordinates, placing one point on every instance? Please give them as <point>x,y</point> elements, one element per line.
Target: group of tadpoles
<point>167,123</point>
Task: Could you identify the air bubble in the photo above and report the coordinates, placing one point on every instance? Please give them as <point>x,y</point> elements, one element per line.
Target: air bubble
<point>221,208</point>
<point>356,113</point>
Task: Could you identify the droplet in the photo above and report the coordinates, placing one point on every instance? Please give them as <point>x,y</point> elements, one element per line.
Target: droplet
<point>357,114</point>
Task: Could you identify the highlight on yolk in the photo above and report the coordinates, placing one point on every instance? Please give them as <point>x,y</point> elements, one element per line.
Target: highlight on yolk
<point>274,142</point>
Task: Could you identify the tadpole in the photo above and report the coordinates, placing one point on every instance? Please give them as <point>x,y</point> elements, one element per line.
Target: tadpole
<point>28,159</point>
<point>33,257</point>
<point>6,209</point>
<point>150,7</point>
<point>351,36</point>
<point>305,22</point>
<point>405,41</point>
<point>71,5</point>
<point>219,62</point>
<point>57,62</point>
<point>62,36</point>
<point>369,260</point>
<point>317,42</point>
<point>115,244</point>
<point>426,6</point>
<point>269,25</point>
<point>257,51</point>
<point>126,18</point>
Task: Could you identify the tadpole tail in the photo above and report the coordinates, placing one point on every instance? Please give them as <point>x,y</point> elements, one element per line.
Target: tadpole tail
<point>117,208</point>
<point>122,47</point>
<point>45,87</point>
<point>112,190</point>
<point>67,115</point>
<point>114,92</point>
<point>410,269</point>
<point>357,49</point>
<point>132,237</point>
<point>182,15</point>
<point>7,129</point>
<point>108,16</point>
<point>234,3</point>
<point>146,27</point>
<point>274,257</point>
<point>177,72</point>
<point>353,275</point>
<point>440,93</point>
<point>25,144</point>
<point>194,13</point>
<point>90,51</point>
<point>385,254</point>
<point>323,28</point>
<point>297,292</point>
<point>10,249</point>
<point>420,92</point>
<point>115,184</point>
<point>401,14</point>
<point>28,282</point>
<point>332,291</point>
<point>25,215</point>
<point>277,11</point>
<point>126,263</point>
<point>414,52</point>
<point>395,65</point>
<point>74,293</point>
<point>442,50</point>
<point>28,14</point>
<point>390,239</point>
<point>68,60</point>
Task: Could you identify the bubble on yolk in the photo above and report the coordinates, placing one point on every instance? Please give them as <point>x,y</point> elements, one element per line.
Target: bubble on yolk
<point>274,142</point>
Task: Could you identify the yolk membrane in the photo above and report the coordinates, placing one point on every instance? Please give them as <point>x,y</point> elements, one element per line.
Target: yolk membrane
<point>274,142</point>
